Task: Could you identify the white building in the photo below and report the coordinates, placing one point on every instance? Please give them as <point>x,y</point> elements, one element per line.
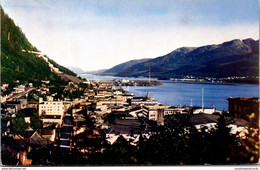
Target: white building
<point>205,110</point>
<point>51,111</point>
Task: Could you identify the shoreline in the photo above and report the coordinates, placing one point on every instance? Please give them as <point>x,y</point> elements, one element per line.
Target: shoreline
<point>210,80</point>
<point>126,82</point>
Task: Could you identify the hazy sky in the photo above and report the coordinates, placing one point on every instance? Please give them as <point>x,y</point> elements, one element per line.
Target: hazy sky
<point>97,34</point>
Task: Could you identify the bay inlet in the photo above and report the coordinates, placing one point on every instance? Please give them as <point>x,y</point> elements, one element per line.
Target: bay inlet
<point>180,93</point>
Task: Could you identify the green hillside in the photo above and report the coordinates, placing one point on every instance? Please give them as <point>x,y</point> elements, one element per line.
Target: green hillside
<point>61,68</point>
<point>16,64</point>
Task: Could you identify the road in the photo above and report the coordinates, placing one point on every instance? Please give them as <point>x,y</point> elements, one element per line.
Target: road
<point>20,94</point>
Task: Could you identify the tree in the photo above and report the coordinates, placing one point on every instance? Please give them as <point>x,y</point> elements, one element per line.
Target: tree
<point>250,143</point>
<point>18,124</point>
<point>35,121</point>
<point>120,153</point>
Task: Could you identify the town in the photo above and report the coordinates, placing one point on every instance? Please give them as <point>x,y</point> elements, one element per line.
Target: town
<point>79,115</point>
<point>131,83</point>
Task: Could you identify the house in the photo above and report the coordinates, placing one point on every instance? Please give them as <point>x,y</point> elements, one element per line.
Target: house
<point>49,133</point>
<point>32,137</point>
<point>24,145</point>
<point>130,129</point>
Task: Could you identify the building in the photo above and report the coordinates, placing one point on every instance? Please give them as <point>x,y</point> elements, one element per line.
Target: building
<point>110,103</point>
<point>142,101</point>
<point>130,129</point>
<point>244,107</point>
<point>175,110</point>
<point>48,134</point>
<point>51,111</point>
<point>204,110</point>
<point>155,113</point>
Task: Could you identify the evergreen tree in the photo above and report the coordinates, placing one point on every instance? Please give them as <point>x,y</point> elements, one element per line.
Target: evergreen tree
<point>18,124</point>
<point>35,121</point>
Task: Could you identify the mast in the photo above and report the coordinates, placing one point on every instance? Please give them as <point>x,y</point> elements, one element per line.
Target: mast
<point>149,75</point>
<point>202,100</point>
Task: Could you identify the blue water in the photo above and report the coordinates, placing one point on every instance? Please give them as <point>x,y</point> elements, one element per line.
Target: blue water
<point>100,77</point>
<point>176,93</point>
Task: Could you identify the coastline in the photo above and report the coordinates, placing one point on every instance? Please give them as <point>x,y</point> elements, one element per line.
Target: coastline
<point>235,79</point>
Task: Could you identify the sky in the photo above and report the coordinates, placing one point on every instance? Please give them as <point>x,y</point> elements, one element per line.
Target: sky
<point>99,34</point>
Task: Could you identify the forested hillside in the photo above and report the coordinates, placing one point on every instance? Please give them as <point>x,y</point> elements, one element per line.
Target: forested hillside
<point>16,63</point>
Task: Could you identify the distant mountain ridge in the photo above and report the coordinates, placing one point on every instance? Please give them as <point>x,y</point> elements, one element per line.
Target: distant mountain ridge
<point>232,58</point>
<point>124,66</point>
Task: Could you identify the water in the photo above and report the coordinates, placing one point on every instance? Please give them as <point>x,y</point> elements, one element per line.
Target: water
<point>100,77</point>
<point>178,93</point>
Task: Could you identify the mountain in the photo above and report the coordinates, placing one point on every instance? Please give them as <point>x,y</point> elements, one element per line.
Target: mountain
<point>124,66</point>
<point>76,69</point>
<point>19,59</point>
<point>232,58</point>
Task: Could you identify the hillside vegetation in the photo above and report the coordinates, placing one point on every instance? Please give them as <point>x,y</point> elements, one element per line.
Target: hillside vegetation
<point>16,63</point>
